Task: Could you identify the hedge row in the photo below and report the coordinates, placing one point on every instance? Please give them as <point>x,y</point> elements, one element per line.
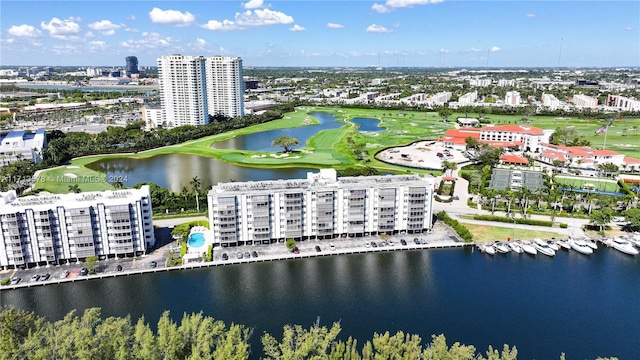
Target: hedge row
<point>510,220</point>
<point>462,230</point>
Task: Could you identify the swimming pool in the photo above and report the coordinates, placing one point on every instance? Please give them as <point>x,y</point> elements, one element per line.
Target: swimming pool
<point>196,240</point>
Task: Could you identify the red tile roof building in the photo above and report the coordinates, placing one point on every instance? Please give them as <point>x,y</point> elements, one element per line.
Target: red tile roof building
<point>526,138</point>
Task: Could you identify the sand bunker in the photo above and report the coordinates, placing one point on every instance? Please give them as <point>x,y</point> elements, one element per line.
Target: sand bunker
<point>73,176</point>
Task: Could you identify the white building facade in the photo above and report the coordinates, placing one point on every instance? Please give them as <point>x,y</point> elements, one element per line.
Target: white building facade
<point>225,86</point>
<point>183,97</point>
<point>584,101</point>
<point>52,229</point>
<point>20,145</point>
<point>512,98</point>
<point>322,206</point>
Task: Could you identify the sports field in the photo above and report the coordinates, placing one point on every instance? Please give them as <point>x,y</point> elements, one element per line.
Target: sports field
<point>595,184</point>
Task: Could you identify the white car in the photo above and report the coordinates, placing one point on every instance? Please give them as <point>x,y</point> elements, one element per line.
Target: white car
<point>390,243</point>
<point>367,244</point>
<point>332,246</point>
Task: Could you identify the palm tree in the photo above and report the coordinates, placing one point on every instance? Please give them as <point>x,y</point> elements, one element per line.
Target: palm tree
<point>195,185</point>
<point>185,192</point>
<point>74,188</point>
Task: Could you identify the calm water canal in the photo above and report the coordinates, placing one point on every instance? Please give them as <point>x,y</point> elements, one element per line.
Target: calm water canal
<point>583,306</point>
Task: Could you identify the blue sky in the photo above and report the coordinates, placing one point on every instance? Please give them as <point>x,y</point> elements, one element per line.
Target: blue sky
<point>324,33</point>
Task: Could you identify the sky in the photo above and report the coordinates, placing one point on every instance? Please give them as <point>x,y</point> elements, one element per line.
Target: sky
<point>318,33</point>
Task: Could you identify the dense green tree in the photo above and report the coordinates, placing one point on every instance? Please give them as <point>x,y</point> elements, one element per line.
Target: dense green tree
<point>196,183</point>
<point>472,143</point>
<point>285,142</point>
<point>601,218</point>
<point>632,216</point>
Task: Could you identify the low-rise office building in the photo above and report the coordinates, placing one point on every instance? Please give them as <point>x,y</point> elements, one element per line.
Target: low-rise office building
<point>323,206</point>
<point>53,229</point>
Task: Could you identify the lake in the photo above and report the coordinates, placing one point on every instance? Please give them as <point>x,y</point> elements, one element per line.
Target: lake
<point>173,171</point>
<point>367,124</point>
<point>585,306</point>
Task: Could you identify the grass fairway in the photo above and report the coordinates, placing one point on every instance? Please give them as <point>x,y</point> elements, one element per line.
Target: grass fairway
<point>483,233</point>
<point>578,183</point>
<point>330,148</point>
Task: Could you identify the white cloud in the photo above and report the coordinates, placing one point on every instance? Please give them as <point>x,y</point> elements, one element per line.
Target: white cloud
<point>473,49</point>
<point>378,29</point>
<point>201,42</point>
<point>443,51</point>
<point>97,44</point>
<point>297,27</point>
<point>334,26</point>
<point>131,17</point>
<point>629,28</point>
<point>259,17</point>
<point>171,17</point>
<point>108,32</point>
<point>253,4</point>
<point>494,49</point>
<point>150,40</point>
<point>104,25</point>
<point>391,5</point>
<point>531,15</point>
<point>61,29</point>
<point>24,30</point>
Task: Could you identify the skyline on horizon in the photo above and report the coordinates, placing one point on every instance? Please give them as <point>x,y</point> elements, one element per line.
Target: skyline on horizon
<point>391,33</point>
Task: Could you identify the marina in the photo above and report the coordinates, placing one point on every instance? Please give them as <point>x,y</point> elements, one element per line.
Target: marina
<point>627,245</point>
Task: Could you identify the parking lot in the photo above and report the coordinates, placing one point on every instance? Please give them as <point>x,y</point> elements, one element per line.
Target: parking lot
<point>422,154</point>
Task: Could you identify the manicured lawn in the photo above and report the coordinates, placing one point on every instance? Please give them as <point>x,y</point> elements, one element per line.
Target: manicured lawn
<point>483,233</point>
<point>330,148</point>
<point>58,180</point>
<point>578,183</point>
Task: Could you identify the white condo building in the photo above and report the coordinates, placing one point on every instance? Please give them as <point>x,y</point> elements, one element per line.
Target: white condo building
<point>550,100</point>
<point>468,98</point>
<point>183,99</point>
<point>225,86</point>
<point>48,229</point>
<point>194,87</point>
<point>512,98</point>
<point>584,101</point>
<point>21,145</point>
<point>322,206</point>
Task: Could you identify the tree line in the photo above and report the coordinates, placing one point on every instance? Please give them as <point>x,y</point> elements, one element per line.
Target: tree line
<point>25,335</point>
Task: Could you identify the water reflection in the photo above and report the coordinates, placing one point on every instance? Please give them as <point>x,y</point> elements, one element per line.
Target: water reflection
<point>173,171</point>
<point>261,141</point>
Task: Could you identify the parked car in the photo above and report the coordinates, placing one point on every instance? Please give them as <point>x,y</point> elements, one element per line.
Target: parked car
<point>417,241</point>
<point>15,280</point>
<point>119,267</point>
<point>318,248</point>
<point>34,278</point>
<point>456,197</point>
<point>64,274</point>
<point>332,246</point>
<point>239,255</point>
<point>154,264</point>
<point>373,244</point>
<point>225,256</point>
<point>254,254</point>
<point>45,277</point>
<point>403,242</point>
<point>390,243</point>
<point>367,244</point>
<point>247,255</point>
<point>84,271</point>
<point>296,250</point>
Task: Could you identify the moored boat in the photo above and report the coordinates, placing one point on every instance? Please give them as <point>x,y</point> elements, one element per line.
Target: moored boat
<point>515,247</point>
<point>622,245</point>
<point>529,248</point>
<point>592,244</point>
<point>581,247</point>
<point>553,244</point>
<point>501,247</point>
<point>543,247</point>
<point>564,244</point>
<point>489,249</point>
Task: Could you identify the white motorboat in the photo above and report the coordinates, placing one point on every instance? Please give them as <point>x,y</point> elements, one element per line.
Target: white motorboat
<point>564,244</point>
<point>543,247</point>
<point>529,248</point>
<point>515,247</point>
<point>592,244</point>
<point>488,249</point>
<point>622,245</point>
<point>581,247</point>
<point>553,244</point>
<point>501,247</point>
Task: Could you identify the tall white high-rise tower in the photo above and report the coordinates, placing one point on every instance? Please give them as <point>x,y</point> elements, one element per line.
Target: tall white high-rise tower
<point>225,87</point>
<point>194,87</point>
<point>183,96</point>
